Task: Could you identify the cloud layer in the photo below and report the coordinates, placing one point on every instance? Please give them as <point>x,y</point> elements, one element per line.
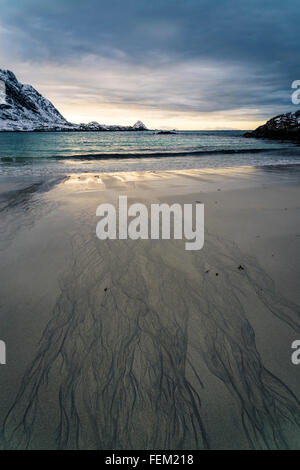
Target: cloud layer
<point>185,63</point>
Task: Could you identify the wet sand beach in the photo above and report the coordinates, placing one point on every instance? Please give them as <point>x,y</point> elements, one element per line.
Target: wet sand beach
<point>123,344</point>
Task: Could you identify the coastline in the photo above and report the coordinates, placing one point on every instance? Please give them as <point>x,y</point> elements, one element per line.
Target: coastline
<point>170,355</point>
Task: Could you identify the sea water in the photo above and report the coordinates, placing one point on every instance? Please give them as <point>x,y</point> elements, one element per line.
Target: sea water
<point>58,153</point>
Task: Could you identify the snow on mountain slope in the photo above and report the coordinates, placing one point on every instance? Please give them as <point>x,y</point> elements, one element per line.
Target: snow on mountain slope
<point>284,126</point>
<point>22,108</point>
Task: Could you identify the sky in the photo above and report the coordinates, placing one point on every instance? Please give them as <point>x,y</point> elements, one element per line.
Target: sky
<point>183,64</point>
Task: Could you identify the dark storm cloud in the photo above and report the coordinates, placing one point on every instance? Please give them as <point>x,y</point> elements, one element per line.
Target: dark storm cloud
<point>253,46</point>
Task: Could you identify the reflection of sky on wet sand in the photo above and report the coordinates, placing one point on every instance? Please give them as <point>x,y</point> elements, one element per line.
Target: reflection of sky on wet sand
<point>177,180</point>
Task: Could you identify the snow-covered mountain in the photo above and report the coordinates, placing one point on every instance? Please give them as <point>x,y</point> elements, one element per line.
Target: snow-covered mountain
<point>284,126</point>
<point>22,108</point>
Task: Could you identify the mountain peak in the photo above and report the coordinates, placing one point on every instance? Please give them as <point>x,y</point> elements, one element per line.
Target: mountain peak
<point>7,75</point>
<point>139,126</point>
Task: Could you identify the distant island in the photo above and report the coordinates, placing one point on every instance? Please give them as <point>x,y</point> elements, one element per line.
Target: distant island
<point>166,132</point>
<point>24,109</point>
<point>283,127</point>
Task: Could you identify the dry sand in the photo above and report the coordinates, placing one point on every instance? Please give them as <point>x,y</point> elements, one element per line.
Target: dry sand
<point>141,344</point>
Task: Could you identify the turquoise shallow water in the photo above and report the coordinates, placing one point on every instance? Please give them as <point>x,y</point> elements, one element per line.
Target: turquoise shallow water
<point>57,153</point>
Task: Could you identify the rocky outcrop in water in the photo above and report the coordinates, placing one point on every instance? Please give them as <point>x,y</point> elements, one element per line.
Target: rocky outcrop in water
<point>22,108</point>
<point>166,132</point>
<point>283,127</point>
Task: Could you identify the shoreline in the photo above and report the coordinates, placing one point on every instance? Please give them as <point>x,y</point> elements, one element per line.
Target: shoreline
<point>238,174</point>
